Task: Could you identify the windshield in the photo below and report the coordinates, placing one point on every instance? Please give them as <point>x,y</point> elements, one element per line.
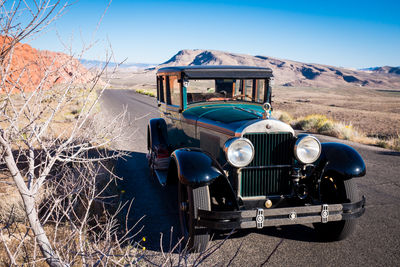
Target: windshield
<point>252,90</point>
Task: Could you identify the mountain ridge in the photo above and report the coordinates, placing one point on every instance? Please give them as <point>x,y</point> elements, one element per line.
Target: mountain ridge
<point>292,73</point>
<point>384,69</point>
<point>92,63</point>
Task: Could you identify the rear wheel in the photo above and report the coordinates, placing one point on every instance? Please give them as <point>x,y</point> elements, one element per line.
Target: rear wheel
<point>190,200</point>
<point>333,191</point>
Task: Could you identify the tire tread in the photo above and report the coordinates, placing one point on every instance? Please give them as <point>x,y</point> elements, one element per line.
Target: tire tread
<point>201,200</point>
<point>340,230</point>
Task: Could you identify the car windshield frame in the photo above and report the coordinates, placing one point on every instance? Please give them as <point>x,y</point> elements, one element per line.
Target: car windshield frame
<point>185,74</point>
<point>254,90</point>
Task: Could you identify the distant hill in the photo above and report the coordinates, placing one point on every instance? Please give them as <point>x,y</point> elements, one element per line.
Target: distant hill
<point>384,69</point>
<point>292,73</point>
<point>100,64</point>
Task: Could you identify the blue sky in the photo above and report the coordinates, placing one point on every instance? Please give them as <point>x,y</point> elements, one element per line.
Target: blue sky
<point>348,33</point>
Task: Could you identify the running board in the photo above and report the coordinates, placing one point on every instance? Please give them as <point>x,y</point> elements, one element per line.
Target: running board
<point>161,176</point>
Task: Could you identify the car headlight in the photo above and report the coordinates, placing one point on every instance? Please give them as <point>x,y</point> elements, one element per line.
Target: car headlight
<point>307,149</point>
<point>239,152</point>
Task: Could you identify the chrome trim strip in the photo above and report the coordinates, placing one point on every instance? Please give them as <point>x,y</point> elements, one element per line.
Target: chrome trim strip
<point>269,125</point>
<point>274,197</point>
<point>267,167</point>
<point>254,198</point>
<point>239,183</point>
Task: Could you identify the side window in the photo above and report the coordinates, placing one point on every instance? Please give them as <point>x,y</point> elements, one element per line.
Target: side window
<point>261,91</point>
<point>244,88</point>
<point>238,87</point>
<point>160,89</point>
<point>268,90</point>
<point>173,90</point>
<point>248,90</point>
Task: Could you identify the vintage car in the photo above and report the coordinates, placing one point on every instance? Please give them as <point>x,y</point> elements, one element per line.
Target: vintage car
<point>237,167</point>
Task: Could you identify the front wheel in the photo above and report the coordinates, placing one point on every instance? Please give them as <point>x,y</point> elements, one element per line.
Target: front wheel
<point>337,191</point>
<point>150,154</point>
<point>190,200</point>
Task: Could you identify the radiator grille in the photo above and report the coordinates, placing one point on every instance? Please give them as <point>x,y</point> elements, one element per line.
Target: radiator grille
<point>270,150</point>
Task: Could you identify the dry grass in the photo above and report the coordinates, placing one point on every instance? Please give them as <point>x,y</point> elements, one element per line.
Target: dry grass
<point>321,124</point>
<point>145,92</point>
<point>20,235</point>
<point>390,143</point>
<point>11,206</point>
<point>14,236</point>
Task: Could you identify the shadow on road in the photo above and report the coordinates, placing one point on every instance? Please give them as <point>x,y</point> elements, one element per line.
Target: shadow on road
<point>389,153</point>
<point>290,232</point>
<point>154,208</point>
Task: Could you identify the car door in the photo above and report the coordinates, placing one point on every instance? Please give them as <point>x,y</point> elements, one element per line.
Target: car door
<point>172,109</point>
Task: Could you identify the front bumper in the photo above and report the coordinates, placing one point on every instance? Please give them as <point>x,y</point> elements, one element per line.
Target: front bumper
<point>259,218</point>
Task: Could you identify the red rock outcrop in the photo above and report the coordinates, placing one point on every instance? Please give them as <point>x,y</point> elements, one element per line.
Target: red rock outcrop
<point>31,69</point>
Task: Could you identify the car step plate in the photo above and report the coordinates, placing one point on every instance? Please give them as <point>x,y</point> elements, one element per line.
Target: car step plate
<point>161,176</point>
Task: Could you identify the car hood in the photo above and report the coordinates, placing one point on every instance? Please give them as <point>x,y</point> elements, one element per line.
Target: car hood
<point>229,118</point>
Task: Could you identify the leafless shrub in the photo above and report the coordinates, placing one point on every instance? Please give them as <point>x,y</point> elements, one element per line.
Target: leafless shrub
<point>57,158</point>
<point>55,153</point>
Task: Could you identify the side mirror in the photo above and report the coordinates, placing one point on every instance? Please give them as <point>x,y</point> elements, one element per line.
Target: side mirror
<point>185,82</point>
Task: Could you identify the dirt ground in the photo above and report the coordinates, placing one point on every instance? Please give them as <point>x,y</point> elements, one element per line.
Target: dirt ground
<point>374,112</point>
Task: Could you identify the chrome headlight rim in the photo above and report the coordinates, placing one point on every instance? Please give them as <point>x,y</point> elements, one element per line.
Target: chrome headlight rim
<point>298,142</point>
<point>230,142</point>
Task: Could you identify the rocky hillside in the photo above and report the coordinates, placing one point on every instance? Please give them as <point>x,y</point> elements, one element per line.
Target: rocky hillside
<point>386,70</point>
<point>30,68</point>
<point>292,73</point>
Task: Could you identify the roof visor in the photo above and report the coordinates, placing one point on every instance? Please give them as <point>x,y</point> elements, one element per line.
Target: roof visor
<point>220,72</point>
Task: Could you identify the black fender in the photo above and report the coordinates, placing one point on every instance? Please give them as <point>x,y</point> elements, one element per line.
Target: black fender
<point>157,133</point>
<point>342,160</point>
<point>195,167</point>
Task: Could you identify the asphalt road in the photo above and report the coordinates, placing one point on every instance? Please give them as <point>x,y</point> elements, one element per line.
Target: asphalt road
<point>376,241</point>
